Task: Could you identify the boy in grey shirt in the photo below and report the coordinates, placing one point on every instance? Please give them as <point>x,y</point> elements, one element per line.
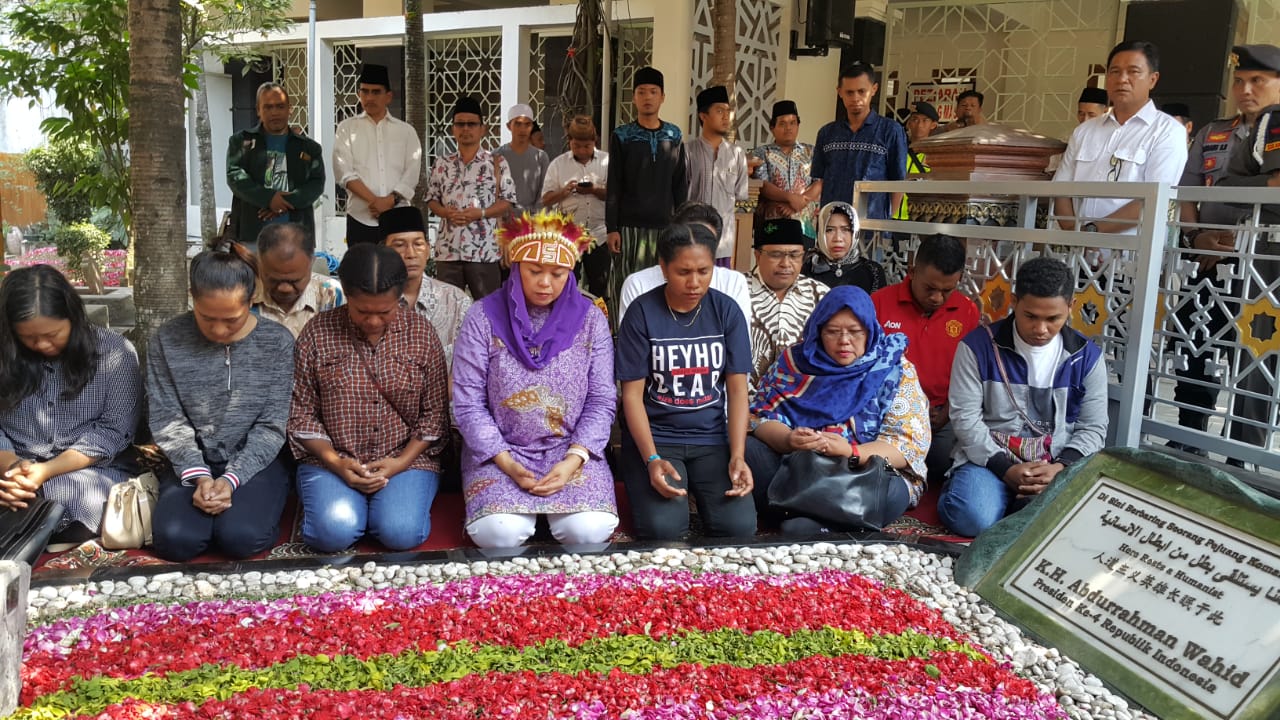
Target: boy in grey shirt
<point>528,164</point>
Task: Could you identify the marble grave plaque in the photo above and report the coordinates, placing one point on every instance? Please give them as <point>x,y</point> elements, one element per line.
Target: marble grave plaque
<point>1167,592</point>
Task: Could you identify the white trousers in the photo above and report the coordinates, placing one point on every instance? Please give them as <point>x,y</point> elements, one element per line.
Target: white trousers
<point>508,530</point>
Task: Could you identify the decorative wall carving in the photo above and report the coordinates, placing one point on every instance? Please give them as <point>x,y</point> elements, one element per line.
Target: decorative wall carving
<point>456,66</point>
<point>289,69</point>
<point>759,45</point>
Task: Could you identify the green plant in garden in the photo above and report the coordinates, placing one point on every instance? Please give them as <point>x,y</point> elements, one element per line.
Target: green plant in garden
<point>81,245</point>
<point>64,169</point>
<point>77,53</point>
<point>78,241</point>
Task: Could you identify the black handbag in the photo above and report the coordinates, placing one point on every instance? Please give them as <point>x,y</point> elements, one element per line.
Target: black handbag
<point>825,488</point>
<point>24,533</point>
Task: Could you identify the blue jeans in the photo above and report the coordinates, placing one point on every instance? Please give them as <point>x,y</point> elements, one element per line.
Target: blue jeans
<point>336,515</point>
<point>974,499</point>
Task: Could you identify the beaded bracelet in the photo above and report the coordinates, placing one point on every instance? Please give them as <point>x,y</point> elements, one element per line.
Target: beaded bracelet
<point>652,457</point>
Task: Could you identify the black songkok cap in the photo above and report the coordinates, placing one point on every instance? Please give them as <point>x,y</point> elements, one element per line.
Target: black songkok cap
<point>375,75</point>
<point>405,218</point>
<point>648,76</point>
<point>783,107</point>
<point>1176,109</point>
<point>711,96</point>
<point>467,104</point>
<point>781,231</point>
<point>1097,96</point>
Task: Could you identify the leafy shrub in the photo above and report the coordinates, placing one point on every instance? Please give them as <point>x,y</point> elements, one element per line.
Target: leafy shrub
<point>78,241</point>
<point>60,168</point>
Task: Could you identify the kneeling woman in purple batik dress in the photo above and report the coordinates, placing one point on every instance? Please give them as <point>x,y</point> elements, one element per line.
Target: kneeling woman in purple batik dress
<point>533,396</point>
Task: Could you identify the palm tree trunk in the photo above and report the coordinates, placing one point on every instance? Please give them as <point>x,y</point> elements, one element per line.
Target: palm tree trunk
<point>724,48</point>
<point>415,95</point>
<point>158,177</point>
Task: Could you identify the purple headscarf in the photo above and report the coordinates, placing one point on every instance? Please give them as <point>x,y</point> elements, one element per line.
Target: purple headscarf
<point>509,315</point>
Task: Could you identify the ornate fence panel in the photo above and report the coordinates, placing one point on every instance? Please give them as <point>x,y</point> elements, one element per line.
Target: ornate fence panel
<point>469,65</point>
<point>634,51</point>
<point>1147,303</point>
<point>289,69</point>
<point>1029,58</point>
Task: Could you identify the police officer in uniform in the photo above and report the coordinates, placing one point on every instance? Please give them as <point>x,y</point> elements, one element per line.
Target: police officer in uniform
<point>920,124</point>
<point>1243,151</point>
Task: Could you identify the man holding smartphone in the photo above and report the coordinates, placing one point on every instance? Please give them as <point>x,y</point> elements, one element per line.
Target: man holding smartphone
<point>575,182</point>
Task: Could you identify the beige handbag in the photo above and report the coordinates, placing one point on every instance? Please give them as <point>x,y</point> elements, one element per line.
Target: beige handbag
<point>127,522</point>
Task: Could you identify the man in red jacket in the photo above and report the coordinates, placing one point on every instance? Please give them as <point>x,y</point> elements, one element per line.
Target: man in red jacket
<point>927,309</point>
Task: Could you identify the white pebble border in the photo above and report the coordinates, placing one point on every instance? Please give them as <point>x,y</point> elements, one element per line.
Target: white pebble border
<point>924,575</point>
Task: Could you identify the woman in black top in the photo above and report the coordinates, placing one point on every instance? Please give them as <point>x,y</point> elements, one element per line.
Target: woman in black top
<point>836,260</point>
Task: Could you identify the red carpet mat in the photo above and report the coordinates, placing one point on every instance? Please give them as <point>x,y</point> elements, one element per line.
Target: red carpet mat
<point>447,533</point>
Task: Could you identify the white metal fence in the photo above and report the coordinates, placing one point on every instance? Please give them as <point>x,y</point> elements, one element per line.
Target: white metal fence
<point>1192,350</point>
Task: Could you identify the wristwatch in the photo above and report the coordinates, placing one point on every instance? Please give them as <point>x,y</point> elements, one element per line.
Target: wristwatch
<point>1089,227</point>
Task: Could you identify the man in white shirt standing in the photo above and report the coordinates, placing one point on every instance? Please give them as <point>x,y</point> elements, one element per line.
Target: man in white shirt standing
<point>376,157</point>
<point>1132,142</point>
<point>575,182</point>
<point>717,167</point>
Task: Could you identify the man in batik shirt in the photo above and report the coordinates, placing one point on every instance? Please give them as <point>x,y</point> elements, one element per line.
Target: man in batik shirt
<point>787,190</point>
<point>470,190</point>
<point>782,299</point>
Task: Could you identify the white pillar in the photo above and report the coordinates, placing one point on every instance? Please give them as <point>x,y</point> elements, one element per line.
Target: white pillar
<point>330,228</point>
<point>515,72</point>
<point>672,30</point>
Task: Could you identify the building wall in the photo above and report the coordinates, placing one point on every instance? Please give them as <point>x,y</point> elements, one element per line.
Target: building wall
<point>1030,59</point>
<point>514,26</point>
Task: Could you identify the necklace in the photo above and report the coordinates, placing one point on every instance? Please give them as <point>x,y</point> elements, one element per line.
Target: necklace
<point>697,311</point>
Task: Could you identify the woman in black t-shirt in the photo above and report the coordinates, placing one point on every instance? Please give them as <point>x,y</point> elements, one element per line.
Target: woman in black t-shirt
<point>683,358</point>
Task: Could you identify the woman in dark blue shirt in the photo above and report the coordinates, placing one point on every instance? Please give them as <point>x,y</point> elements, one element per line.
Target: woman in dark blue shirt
<point>683,358</point>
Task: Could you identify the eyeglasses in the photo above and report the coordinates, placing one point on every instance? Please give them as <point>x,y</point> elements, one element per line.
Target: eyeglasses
<point>1116,165</point>
<point>841,334</point>
<point>780,255</point>
<point>464,125</point>
<point>838,229</point>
